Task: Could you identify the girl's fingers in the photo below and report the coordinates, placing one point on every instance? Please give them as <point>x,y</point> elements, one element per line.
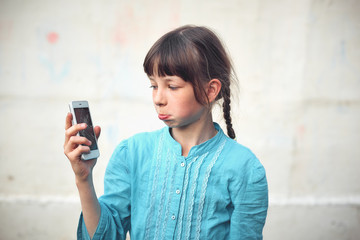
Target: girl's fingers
<point>68,121</point>
<point>68,124</point>
<point>76,146</point>
<point>73,130</point>
<point>74,142</point>
<point>80,150</point>
<point>97,131</point>
<point>76,153</point>
<point>78,140</point>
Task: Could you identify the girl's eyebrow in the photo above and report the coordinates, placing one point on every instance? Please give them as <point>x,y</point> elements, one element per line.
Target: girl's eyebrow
<point>152,79</point>
<point>166,79</point>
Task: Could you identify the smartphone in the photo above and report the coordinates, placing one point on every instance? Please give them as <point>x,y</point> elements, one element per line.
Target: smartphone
<point>81,114</point>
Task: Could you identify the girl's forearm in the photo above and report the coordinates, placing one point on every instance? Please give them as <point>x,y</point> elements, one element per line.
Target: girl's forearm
<point>89,204</point>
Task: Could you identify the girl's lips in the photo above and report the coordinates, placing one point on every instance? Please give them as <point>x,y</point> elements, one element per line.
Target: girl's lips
<point>163,116</point>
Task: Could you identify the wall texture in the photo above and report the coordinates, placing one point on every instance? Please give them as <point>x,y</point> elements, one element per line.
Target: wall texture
<point>298,63</point>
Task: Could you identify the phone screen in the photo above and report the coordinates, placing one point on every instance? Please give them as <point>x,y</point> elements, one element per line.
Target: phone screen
<point>83,116</point>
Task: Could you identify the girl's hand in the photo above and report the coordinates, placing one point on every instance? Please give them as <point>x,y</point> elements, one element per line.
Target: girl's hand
<point>73,149</point>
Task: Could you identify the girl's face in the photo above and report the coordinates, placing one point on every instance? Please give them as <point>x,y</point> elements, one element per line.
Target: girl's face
<point>175,101</point>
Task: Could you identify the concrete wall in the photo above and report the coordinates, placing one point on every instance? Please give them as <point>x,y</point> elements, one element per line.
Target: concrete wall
<point>299,103</point>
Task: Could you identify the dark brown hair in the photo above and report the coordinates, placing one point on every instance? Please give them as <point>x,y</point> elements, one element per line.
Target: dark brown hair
<point>196,55</point>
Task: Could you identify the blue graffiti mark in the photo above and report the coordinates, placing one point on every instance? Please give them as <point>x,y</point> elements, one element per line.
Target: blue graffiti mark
<point>121,77</point>
<point>55,76</point>
<point>339,64</point>
<point>97,62</point>
<point>342,109</point>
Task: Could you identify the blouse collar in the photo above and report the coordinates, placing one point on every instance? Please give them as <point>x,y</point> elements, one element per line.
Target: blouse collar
<point>197,150</point>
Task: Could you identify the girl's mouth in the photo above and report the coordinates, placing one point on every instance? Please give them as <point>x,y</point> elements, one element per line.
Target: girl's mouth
<point>163,116</point>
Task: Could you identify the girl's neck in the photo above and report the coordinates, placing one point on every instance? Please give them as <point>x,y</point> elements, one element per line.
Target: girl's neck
<point>194,134</point>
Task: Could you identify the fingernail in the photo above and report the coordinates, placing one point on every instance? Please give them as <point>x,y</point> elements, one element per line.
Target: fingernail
<point>83,125</point>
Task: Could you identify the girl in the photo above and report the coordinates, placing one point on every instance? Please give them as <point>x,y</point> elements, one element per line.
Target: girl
<point>185,181</point>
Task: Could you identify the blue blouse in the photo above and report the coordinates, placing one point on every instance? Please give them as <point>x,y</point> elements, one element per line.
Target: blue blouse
<point>219,191</point>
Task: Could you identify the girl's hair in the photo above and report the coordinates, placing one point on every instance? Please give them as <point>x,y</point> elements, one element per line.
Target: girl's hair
<point>196,55</point>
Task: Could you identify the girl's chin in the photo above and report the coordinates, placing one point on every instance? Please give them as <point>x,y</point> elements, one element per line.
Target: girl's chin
<point>169,123</point>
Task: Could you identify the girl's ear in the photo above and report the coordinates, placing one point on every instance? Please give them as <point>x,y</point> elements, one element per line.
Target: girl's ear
<point>213,89</point>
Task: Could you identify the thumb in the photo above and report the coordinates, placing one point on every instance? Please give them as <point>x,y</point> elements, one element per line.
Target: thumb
<point>97,131</point>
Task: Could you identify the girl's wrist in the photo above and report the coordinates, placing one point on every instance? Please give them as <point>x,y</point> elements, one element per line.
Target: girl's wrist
<point>83,181</point>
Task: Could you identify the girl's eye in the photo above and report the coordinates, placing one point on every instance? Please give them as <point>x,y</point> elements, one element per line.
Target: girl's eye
<point>153,87</point>
<point>173,87</point>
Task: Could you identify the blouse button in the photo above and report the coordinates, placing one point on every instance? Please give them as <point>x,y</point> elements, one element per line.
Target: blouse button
<point>173,217</point>
<point>182,164</point>
<point>178,191</point>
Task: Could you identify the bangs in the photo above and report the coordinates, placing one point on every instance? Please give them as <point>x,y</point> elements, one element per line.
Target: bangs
<point>172,55</point>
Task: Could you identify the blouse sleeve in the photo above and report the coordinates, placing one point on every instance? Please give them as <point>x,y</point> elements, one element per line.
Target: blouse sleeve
<point>250,202</point>
<point>115,203</point>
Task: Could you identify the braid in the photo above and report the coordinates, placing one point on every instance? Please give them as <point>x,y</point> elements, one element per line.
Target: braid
<point>226,110</point>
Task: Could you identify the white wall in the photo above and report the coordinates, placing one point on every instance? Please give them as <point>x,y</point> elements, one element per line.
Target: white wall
<point>299,68</point>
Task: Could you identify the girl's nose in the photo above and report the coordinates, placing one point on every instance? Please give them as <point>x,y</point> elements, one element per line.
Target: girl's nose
<point>159,97</point>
